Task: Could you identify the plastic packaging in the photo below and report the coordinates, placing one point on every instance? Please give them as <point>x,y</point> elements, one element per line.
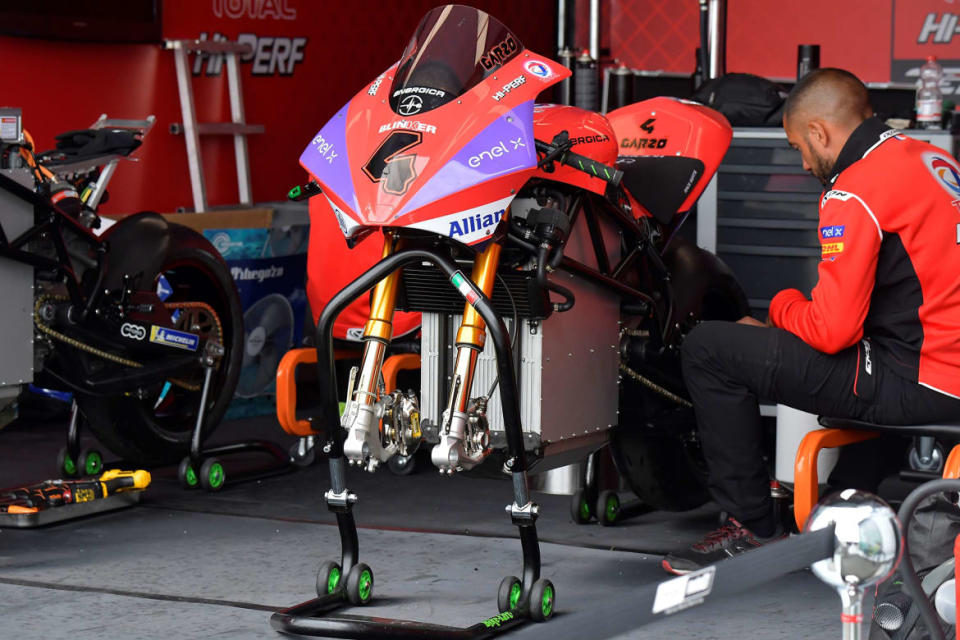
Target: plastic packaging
<point>929,97</point>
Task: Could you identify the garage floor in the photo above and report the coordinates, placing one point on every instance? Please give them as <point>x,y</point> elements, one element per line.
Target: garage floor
<point>197,565</point>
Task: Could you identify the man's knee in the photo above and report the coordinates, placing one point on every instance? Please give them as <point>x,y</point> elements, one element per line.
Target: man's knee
<point>704,342</point>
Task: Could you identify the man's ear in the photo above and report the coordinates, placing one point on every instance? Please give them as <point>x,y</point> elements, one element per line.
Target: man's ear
<point>817,133</point>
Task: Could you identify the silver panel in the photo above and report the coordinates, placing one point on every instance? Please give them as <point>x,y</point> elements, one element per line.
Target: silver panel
<point>580,366</point>
<point>16,287</point>
<point>568,369</point>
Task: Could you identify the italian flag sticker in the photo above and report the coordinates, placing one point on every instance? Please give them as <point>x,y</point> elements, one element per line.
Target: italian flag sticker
<point>465,287</point>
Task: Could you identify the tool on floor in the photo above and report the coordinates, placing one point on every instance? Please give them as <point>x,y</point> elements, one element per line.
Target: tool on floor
<point>54,500</point>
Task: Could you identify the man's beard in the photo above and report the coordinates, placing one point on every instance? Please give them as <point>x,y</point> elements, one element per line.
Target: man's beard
<point>821,169</point>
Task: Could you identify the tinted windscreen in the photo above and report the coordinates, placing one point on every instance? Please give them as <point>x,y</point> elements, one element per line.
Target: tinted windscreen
<point>453,49</point>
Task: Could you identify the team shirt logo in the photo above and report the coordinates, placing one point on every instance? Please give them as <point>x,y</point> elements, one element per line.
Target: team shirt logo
<point>831,248</point>
<point>834,231</point>
<point>945,171</point>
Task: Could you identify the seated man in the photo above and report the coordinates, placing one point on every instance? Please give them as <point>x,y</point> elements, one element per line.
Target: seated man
<point>880,338</point>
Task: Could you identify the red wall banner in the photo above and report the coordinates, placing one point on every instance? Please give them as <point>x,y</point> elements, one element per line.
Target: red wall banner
<point>309,59</point>
<point>762,36</point>
<point>923,28</point>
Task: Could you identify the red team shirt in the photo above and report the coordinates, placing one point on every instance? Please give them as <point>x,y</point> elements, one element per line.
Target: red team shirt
<point>890,269</point>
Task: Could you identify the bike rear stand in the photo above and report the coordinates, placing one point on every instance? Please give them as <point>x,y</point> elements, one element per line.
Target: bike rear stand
<point>72,459</point>
<point>519,600</point>
<point>202,468</point>
<point>589,502</point>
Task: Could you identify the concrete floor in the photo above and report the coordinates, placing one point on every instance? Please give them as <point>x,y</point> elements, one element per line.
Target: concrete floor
<point>196,565</point>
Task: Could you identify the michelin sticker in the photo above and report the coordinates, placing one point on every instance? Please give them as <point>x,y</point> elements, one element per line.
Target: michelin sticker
<point>174,338</point>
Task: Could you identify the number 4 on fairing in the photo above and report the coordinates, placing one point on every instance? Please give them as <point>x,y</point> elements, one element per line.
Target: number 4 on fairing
<point>387,166</point>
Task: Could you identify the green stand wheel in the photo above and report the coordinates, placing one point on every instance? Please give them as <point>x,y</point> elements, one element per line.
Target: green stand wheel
<point>581,511</point>
<point>542,600</point>
<point>608,508</point>
<point>90,462</point>
<point>360,584</point>
<point>329,578</point>
<point>66,465</point>
<point>508,595</point>
<point>187,474</point>
<point>212,475</point>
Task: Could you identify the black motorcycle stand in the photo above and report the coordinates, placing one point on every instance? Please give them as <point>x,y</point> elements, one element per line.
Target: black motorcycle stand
<point>350,581</point>
<point>72,460</point>
<point>201,467</point>
<point>589,502</point>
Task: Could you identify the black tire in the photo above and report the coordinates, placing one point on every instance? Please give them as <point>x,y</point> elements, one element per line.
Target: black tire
<point>360,584</point>
<point>66,466</point>
<point>508,595</point>
<point>608,508</point>
<point>187,474</point>
<point>542,600</point>
<point>90,462</point>
<point>329,578</point>
<point>212,475</point>
<point>402,465</point>
<point>665,471</point>
<point>156,428</point>
<point>581,511</point>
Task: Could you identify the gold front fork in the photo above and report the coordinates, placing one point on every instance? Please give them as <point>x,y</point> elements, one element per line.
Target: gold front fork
<point>456,449</point>
<point>363,445</point>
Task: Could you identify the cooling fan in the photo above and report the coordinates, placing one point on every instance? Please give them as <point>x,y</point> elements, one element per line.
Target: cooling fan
<point>286,241</point>
<point>268,334</point>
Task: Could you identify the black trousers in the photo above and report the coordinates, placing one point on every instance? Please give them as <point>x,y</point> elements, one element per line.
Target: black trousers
<point>728,367</point>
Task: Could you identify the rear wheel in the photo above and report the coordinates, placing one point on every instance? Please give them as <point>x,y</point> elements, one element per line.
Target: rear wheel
<point>154,425</point>
<point>658,452</point>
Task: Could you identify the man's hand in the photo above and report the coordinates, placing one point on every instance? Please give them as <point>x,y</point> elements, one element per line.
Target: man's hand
<point>753,322</point>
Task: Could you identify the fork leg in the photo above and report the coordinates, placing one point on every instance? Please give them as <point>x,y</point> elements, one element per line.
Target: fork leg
<point>451,454</point>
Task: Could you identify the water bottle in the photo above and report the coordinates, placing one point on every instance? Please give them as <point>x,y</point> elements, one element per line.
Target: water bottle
<point>929,98</point>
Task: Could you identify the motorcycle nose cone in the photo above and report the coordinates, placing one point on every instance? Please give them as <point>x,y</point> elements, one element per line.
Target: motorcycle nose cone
<point>866,536</point>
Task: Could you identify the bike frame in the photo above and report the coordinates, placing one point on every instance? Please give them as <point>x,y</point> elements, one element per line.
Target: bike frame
<point>53,224</point>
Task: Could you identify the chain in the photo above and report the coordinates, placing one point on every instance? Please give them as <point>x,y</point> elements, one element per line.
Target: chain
<point>653,386</point>
<point>649,384</point>
<point>113,357</point>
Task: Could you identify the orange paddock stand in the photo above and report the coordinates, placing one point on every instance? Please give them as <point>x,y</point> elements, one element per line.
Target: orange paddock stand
<point>951,468</point>
<point>394,365</point>
<point>287,382</point>
<point>956,557</point>
<point>806,483</point>
<point>287,387</point>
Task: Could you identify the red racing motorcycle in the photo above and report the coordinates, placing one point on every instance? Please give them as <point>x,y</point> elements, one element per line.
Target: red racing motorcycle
<point>548,228</point>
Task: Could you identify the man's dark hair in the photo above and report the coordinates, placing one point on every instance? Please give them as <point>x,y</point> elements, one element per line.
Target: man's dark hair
<point>829,92</point>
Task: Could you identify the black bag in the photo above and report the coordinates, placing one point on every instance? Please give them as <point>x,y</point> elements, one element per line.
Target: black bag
<point>932,531</point>
<point>745,99</point>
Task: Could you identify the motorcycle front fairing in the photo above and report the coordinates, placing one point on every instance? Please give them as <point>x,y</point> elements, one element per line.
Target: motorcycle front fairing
<point>389,158</point>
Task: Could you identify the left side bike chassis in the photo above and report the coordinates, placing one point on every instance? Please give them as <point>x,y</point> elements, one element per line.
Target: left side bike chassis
<point>309,618</point>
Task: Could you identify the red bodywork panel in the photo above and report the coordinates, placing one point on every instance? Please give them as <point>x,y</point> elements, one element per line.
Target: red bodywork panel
<point>354,197</point>
<point>431,147</point>
<point>331,266</point>
<point>673,127</point>
<point>591,134</point>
